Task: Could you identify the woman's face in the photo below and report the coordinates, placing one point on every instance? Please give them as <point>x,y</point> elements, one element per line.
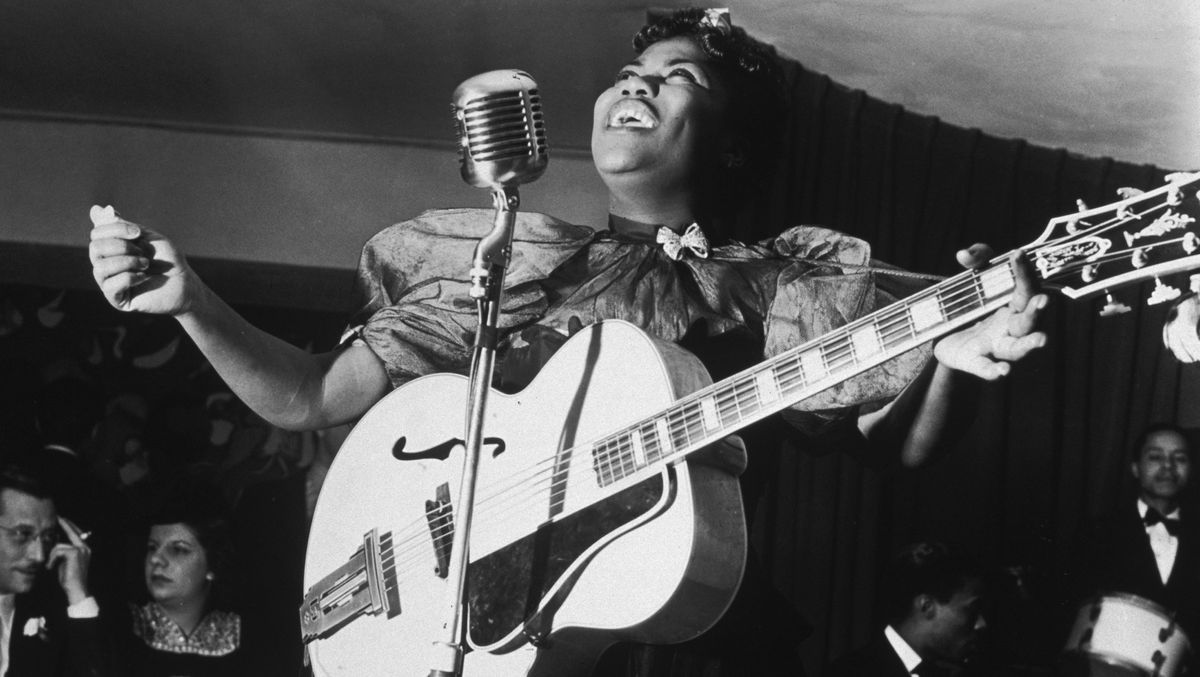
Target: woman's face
<point>176,565</point>
<point>662,120</point>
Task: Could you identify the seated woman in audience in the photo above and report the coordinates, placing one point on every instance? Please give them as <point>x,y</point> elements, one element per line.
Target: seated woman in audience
<point>185,627</point>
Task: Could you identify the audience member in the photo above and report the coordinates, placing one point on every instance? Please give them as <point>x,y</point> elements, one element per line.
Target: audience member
<point>67,413</point>
<point>933,605</point>
<point>186,626</point>
<point>41,633</point>
<point>1149,548</point>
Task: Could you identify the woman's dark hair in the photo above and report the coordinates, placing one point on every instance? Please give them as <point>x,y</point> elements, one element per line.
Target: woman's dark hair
<point>199,508</point>
<point>750,69</point>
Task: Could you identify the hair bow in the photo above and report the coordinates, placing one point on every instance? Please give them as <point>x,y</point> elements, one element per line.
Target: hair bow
<point>674,244</point>
<point>718,18</point>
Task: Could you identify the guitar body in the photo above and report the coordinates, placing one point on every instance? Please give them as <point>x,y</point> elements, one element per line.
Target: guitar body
<point>562,561</point>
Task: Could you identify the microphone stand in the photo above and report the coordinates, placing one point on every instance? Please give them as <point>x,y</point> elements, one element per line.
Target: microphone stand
<point>487,281</point>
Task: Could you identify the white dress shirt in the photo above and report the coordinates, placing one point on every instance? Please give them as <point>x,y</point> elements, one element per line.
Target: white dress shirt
<point>8,607</point>
<point>1164,545</point>
<point>907,655</point>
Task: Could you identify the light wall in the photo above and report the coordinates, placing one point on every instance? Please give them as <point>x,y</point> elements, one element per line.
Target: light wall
<point>291,201</point>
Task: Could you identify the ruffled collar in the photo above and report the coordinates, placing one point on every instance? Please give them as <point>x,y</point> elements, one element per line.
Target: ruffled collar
<point>628,230</point>
<point>218,634</point>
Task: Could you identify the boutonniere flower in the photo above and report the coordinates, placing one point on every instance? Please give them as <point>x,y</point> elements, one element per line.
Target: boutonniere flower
<point>36,626</point>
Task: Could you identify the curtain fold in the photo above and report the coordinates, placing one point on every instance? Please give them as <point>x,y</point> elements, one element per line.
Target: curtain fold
<point>1048,450</point>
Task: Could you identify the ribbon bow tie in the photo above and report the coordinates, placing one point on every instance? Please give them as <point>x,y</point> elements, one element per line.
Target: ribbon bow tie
<point>692,239</point>
<point>1155,517</point>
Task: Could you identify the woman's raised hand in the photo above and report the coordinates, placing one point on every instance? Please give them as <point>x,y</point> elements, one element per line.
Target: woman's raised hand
<point>137,268</point>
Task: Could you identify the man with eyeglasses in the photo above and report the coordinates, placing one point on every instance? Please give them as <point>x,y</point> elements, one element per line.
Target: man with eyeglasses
<point>40,632</point>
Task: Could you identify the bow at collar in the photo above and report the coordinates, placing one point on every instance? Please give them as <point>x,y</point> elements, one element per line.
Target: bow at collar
<point>674,244</point>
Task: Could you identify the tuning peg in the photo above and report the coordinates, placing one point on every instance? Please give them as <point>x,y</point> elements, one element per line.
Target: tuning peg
<point>1195,284</point>
<point>1081,205</point>
<point>1140,258</point>
<point>1162,293</point>
<point>1174,195</point>
<point>1125,192</point>
<point>1088,273</point>
<point>1112,307</point>
<point>1191,242</point>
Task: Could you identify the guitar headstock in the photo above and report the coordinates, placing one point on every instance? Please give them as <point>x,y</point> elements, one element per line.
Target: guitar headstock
<point>1144,235</point>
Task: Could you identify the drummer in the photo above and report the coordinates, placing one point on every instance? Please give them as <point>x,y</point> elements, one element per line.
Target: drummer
<point>1151,547</point>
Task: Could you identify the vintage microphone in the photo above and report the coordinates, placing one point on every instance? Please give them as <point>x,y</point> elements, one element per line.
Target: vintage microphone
<point>502,144</point>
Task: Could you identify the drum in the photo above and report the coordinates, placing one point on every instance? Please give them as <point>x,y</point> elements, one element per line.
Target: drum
<point>1130,634</point>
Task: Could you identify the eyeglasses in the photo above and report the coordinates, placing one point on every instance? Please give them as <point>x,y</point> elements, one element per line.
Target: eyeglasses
<point>24,535</point>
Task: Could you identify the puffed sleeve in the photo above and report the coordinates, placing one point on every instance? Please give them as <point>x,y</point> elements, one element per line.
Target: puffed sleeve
<point>827,280</point>
<point>413,282</point>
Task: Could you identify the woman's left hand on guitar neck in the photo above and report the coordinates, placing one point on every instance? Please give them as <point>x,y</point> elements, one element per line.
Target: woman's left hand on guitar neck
<point>986,348</point>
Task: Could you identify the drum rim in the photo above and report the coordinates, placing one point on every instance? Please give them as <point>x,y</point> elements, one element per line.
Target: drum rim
<point>1136,600</point>
<point>1111,659</point>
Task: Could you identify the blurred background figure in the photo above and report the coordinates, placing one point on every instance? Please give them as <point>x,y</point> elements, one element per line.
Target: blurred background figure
<point>934,597</point>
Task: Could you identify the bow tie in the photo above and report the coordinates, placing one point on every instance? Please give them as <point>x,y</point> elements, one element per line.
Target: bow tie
<point>1155,517</point>
<point>674,244</point>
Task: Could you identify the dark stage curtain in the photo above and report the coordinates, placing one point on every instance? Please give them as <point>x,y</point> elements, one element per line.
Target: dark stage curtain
<point>1047,452</point>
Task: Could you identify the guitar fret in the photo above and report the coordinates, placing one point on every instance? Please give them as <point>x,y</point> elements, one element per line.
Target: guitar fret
<point>789,373</point>
<point>841,356</point>
<point>747,398</point>
<point>966,301</point>
<point>691,428</point>
<point>900,331</point>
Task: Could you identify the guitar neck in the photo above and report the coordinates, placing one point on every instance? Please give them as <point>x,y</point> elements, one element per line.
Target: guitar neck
<point>710,414</point>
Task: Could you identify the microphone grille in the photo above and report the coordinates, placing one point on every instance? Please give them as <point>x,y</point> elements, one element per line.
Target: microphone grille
<point>505,125</point>
<point>501,129</point>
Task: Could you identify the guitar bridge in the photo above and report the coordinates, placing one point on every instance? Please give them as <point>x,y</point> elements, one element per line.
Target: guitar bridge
<point>439,514</point>
<point>365,584</point>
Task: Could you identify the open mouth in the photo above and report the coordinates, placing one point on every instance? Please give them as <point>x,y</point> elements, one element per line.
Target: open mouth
<point>631,114</point>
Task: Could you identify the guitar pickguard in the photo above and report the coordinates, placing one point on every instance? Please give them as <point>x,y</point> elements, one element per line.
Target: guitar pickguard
<point>507,587</point>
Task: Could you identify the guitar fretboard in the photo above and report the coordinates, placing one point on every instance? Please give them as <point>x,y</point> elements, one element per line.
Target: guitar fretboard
<point>709,414</point>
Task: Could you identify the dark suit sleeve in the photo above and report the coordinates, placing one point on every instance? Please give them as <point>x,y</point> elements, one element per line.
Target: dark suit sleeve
<point>89,648</point>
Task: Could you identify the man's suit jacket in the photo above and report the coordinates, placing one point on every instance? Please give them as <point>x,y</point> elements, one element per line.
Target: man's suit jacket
<point>1121,561</point>
<point>45,643</point>
<point>877,659</point>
